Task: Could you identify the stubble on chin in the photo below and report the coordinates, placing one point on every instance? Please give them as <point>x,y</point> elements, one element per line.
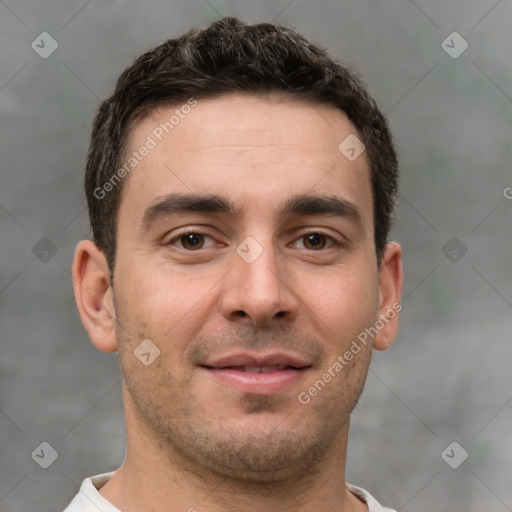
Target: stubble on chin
<point>258,451</point>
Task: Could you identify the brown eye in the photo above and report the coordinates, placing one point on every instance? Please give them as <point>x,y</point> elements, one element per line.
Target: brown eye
<point>192,241</point>
<point>315,241</point>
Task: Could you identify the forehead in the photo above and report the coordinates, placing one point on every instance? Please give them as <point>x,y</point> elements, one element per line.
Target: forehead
<point>250,147</point>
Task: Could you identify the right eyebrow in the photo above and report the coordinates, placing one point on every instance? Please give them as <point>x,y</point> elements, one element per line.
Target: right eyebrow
<point>175,204</point>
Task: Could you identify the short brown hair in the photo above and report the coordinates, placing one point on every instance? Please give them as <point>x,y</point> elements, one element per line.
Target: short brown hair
<point>226,57</point>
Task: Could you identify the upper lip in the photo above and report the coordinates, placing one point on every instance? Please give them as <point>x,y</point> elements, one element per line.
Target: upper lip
<point>255,359</point>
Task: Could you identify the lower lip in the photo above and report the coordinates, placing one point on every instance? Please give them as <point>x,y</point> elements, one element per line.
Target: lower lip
<point>258,383</point>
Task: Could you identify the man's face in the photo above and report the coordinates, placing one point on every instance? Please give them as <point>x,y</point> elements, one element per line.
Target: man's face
<point>245,253</point>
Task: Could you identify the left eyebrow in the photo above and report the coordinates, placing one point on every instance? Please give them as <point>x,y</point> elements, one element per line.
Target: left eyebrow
<point>322,205</point>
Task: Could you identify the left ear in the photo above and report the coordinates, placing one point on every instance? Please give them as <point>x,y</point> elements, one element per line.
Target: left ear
<point>390,291</point>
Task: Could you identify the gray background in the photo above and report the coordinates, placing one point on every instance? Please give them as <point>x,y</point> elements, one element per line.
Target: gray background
<point>447,378</point>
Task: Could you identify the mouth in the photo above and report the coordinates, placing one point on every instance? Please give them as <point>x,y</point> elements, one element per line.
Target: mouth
<point>252,368</point>
<point>258,374</point>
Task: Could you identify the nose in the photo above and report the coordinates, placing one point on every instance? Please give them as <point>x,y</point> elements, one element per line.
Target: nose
<point>258,291</point>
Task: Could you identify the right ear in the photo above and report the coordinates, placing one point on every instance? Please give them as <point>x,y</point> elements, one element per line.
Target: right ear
<point>94,295</point>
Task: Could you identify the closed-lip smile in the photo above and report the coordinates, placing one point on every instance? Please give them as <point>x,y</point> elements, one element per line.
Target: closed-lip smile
<point>259,373</point>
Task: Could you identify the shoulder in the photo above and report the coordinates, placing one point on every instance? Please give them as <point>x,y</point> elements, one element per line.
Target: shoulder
<point>88,499</point>
<point>373,504</point>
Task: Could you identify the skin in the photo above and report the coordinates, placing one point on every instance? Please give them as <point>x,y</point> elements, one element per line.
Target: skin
<point>193,441</point>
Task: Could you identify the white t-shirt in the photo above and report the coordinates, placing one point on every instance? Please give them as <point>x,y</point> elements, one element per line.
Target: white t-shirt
<point>88,499</point>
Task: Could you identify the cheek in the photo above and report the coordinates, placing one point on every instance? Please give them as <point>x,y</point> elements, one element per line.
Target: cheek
<point>150,297</point>
<point>164,305</point>
<point>344,300</point>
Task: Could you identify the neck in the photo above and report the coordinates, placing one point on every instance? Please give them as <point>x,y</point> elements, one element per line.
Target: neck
<point>155,475</point>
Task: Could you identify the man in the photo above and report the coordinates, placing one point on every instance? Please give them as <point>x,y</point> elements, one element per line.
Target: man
<point>241,187</point>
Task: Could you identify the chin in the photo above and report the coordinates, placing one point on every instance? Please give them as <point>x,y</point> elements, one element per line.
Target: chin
<point>261,448</point>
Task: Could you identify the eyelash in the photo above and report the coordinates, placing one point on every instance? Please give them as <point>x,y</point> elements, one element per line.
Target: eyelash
<point>329,238</point>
